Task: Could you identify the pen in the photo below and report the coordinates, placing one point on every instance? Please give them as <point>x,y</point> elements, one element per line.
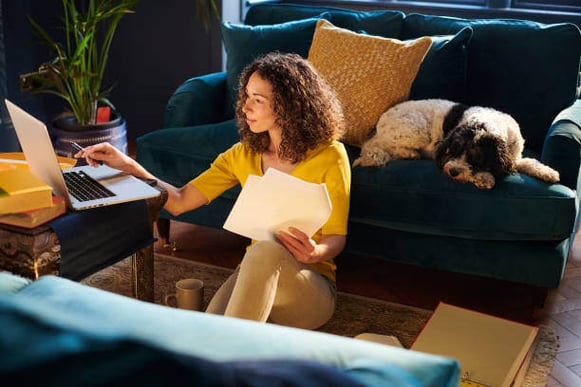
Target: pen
<point>79,148</point>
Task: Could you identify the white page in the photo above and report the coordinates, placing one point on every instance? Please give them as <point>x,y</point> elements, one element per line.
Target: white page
<point>275,202</point>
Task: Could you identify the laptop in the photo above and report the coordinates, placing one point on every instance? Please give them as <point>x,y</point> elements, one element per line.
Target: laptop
<point>112,186</point>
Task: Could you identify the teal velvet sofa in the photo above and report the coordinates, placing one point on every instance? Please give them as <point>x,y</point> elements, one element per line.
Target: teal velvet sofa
<point>408,211</point>
<point>56,332</point>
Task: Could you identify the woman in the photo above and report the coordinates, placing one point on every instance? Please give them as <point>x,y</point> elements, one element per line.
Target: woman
<point>291,120</point>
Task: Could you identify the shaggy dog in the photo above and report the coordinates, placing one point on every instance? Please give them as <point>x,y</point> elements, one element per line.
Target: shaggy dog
<point>471,144</point>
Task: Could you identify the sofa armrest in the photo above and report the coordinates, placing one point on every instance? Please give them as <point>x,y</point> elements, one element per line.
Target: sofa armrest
<point>199,100</point>
<point>562,147</point>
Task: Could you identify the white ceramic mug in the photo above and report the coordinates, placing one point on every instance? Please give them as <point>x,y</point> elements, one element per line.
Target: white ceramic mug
<point>189,294</point>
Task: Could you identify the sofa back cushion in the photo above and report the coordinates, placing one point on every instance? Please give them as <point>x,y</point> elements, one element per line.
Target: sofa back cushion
<point>442,73</point>
<point>381,23</point>
<point>524,68</point>
<point>243,43</point>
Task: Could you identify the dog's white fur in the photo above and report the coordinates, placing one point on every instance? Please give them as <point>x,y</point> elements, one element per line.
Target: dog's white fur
<point>415,129</point>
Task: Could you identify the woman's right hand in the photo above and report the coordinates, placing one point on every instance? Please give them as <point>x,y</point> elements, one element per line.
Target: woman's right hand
<point>109,155</point>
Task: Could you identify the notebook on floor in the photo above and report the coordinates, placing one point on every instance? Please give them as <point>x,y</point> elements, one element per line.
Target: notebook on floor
<point>82,187</point>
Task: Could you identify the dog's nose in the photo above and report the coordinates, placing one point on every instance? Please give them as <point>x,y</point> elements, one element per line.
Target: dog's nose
<point>453,172</point>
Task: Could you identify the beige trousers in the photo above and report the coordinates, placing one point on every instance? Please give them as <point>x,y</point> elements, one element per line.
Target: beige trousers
<point>271,285</point>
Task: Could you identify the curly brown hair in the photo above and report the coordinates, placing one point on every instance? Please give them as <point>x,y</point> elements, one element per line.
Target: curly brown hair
<point>305,106</point>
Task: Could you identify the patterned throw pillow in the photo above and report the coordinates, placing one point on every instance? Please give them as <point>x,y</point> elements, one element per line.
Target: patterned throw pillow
<point>369,73</point>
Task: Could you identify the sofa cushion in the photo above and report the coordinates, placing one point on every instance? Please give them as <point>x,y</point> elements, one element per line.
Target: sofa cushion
<point>387,24</point>
<point>36,349</point>
<point>243,43</point>
<point>384,23</point>
<point>538,77</point>
<point>369,73</point>
<point>415,196</point>
<point>66,306</point>
<point>442,74</point>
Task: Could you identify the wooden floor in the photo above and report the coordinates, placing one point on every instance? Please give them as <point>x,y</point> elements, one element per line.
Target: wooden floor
<point>425,288</point>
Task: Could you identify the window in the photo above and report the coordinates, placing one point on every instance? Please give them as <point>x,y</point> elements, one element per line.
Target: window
<point>555,5</point>
<point>466,2</point>
<point>544,11</point>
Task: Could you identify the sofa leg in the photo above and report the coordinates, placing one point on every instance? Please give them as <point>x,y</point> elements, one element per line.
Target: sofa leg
<point>540,294</point>
<point>163,226</point>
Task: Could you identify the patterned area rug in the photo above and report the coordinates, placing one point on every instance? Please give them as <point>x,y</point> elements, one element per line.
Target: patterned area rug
<point>354,314</point>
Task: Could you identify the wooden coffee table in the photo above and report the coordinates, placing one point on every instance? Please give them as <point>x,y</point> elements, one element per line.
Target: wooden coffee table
<point>35,252</point>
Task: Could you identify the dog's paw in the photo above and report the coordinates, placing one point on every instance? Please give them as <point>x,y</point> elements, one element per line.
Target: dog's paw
<point>535,168</point>
<point>483,180</point>
<point>372,158</point>
<point>406,154</point>
<point>553,176</point>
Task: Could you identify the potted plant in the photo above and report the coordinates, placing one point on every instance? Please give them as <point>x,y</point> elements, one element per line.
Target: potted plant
<point>76,74</point>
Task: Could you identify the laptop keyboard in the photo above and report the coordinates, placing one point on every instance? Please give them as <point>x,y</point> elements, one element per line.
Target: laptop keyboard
<point>84,188</point>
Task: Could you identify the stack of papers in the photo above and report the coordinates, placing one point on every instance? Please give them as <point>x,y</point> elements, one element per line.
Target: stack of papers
<point>275,202</point>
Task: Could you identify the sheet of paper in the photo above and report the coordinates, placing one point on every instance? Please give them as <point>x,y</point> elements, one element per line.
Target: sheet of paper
<point>275,202</point>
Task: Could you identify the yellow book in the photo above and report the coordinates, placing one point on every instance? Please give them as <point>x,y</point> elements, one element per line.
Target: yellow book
<point>20,190</point>
<point>36,217</point>
<point>10,160</point>
<point>490,349</point>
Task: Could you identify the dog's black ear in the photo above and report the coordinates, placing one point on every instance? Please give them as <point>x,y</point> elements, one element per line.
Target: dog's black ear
<point>506,158</point>
<point>496,156</point>
<point>442,152</point>
<point>453,117</point>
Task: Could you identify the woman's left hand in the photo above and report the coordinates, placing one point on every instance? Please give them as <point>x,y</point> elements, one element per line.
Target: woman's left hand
<point>299,244</point>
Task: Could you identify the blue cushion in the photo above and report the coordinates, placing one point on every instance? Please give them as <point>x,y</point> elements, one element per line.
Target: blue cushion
<point>72,317</point>
<point>387,24</point>
<point>442,74</point>
<point>429,202</point>
<point>38,351</point>
<point>384,23</point>
<point>243,43</point>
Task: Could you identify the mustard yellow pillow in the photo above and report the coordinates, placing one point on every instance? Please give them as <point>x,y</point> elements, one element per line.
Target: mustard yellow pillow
<point>369,73</point>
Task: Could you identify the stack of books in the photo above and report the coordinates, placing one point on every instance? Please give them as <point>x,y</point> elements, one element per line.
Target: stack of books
<point>26,200</point>
<point>492,351</point>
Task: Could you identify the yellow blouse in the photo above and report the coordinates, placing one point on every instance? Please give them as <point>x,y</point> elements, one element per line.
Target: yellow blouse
<point>327,164</point>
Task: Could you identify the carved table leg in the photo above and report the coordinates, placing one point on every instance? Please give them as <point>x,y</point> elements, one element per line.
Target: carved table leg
<point>142,270</point>
<point>142,274</point>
